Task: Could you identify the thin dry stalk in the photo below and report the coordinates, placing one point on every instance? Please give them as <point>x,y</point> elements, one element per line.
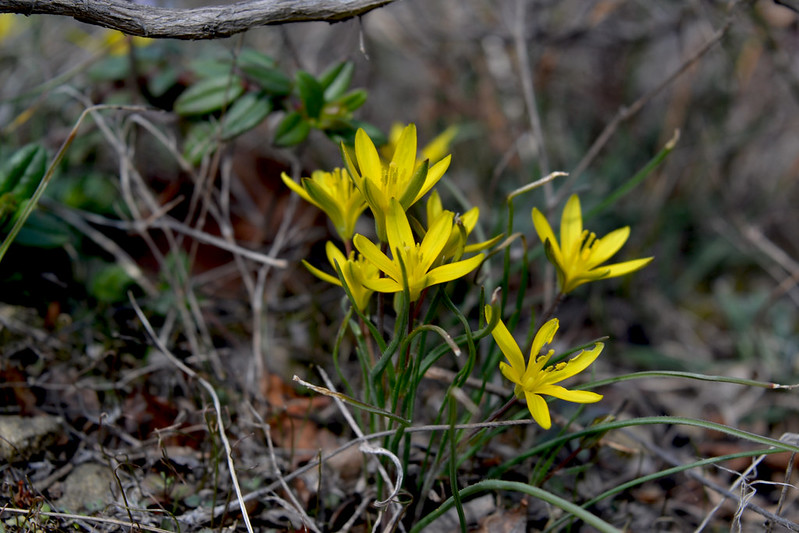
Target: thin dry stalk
<point>626,113</point>
<point>217,405</point>
<point>306,520</point>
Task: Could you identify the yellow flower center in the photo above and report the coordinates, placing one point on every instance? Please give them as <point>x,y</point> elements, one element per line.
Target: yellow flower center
<point>391,178</point>
<point>589,241</point>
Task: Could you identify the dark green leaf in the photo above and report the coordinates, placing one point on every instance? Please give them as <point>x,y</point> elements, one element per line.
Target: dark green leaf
<point>336,79</point>
<point>250,57</point>
<point>271,80</point>
<point>245,113</point>
<point>210,68</point>
<point>111,68</point>
<point>32,176</point>
<point>292,130</point>
<point>209,95</point>
<point>92,192</point>
<point>43,230</point>
<point>353,100</point>
<point>162,81</point>
<point>200,140</point>
<point>8,207</point>
<point>26,166</point>
<point>312,94</point>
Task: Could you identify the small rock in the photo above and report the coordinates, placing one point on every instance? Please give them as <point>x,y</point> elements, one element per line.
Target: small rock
<point>21,437</point>
<point>88,488</point>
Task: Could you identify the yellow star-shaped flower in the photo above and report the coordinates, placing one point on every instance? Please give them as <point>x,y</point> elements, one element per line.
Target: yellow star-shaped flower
<point>401,178</point>
<point>335,194</point>
<point>434,151</point>
<point>354,269</point>
<point>580,255</point>
<point>412,263</point>
<point>462,227</point>
<point>532,380</point>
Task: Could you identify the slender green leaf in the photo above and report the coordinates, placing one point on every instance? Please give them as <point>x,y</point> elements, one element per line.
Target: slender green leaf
<point>496,484</point>
<point>639,176</point>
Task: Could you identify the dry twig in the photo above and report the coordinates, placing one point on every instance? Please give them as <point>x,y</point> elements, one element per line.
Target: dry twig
<point>213,22</point>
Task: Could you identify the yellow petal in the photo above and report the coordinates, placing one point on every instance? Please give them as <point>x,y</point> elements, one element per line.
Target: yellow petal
<point>372,253</point>
<point>508,346</point>
<point>348,155</point>
<point>398,228</point>
<point>451,271</point>
<point>607,246</point>
<point>360,292</point>
<point>539,409</point>
<point>334,255</point>
<point>469,219</point>
<point>584,277</point>
<point>509,373</point>
<point>576,396</point>
<point>437,148</point>
<point>434,174</point>
<point>480,246</point>
<point>382,285</point>
<point>620,269</point>
<point>368,158</point>
<point>543,337</point>
<point>321,275</point>
<point>435,239</point>
<point>577,364</point>
<point>405,153</point>
<point>332,207</point>
<point>571,227</point>
<point>387,151</point>
<point>545,233</point>
<point>433,207</point>
<point>297,188</point>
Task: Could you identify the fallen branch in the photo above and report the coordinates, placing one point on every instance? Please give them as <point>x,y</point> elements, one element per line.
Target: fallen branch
<point>211,22</point>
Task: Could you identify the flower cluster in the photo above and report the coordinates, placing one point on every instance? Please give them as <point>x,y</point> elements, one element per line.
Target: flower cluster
<point>389,186</point>
<point>408,257</point>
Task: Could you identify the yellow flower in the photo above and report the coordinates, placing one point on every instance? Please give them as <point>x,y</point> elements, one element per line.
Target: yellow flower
<point>113,41</point>
<point>462,227</point>
<point>400,178</point>
<point>579,256</point>
<point>532,380</point>
<point>117,42</point>
<point>353,269</point>
<point>335,194</point>
<point>418,259</point>
<point>434,151</point>
<point>9,25</point>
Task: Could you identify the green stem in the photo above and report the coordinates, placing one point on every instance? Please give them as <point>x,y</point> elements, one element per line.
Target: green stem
<point>496,484</point>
